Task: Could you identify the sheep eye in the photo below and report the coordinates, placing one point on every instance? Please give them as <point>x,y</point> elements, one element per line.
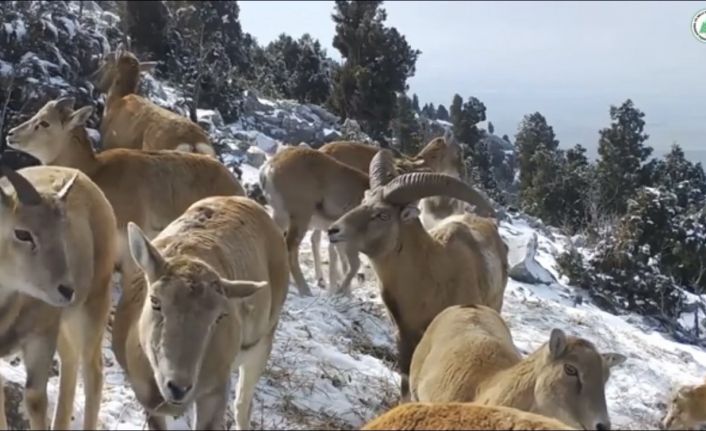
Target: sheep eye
<point>156,306</point>
<point>24,236</point>
<point>219,318</point>
<point>382,216</point>
<point>44,124</point>
<point>570,370</point>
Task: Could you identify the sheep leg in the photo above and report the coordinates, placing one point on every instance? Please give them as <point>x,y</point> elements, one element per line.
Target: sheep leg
<point>68,374</point>
<point>92,359</point>
<point>316,251</point>
<point>211,409</point>
<point>333,274</point>
<point>252,365</point>
<point>353,266</point>
<point>155,422</point>
<point>37,354</point>
<point>3,417</point>
<point>295,234</point>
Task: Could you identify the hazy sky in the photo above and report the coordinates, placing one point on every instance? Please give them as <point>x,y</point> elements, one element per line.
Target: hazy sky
<point>568,60</point>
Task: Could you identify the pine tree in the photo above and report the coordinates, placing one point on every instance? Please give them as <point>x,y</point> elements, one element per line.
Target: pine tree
<point>298,69</point>
<point>534,134</point>
<point>207,52</point>
<point>146,23</point>
<point>622,151</point>
<point>491,128</point>
<point>442,113</point>
<point>429,111</point>
<point>377,63</point>
<point>415,103</point>
<point>405,127</point>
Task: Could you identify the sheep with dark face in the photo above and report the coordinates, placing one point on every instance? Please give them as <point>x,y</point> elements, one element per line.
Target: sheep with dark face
<point>463,260</point>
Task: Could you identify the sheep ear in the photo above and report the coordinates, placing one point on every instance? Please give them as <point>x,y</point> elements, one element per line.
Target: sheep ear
<point>613,359</point>
<point>65,106</point>
<point>66,188</point>
<point>148,66</point>
<point>557,343</point>
<point>241,288</point>
<point>144,254</point>
<point>80,117</point>
<point>409,213</point>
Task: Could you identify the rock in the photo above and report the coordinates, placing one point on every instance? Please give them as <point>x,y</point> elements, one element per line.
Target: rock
<point>325,116</point>
<point>524,267</point>
<point>14,406</point>
<point>209,119</point>
<point>253,105</point>
<point>331,135</point>
<point>256,157</point>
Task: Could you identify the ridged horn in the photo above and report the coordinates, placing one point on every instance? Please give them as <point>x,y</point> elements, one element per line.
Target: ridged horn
<point>382,169</point>
<point>408,188</point>
<point>26,193</point>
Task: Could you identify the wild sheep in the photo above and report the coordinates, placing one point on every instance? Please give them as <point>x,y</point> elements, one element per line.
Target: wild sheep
<point>687,409</point>
<point>461,416</point>
<point>132,121</point>
<point>463,260</point>
<point>307,188</point>
<point>467,354</point>
<point>436,156</point>
<point>149,188</point>
<point>446,157</point>
<point>57,251</point>
<point>189,320</point>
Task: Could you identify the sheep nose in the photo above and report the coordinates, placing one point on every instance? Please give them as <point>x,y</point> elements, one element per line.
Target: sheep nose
<point>333,231</point>
<point>600,426</point>
<point>178,392</point>
<point>66,291</point>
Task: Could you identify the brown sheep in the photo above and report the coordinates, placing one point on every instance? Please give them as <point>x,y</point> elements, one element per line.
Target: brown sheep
<point>195,314</point>
<point>57,252</point>
<point>132,121</point>
<point>687,409</point>
<point>463,260</point>
<point>149,188</point>
<point>467,354</point>
<point>461,416</point>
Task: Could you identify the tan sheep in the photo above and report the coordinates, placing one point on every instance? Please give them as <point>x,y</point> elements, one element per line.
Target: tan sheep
<point>461,416</point>
<point>57,252</point>
<point>687,409</point>
<point>186,322</point>
<point>463,260</point>
<point>132,121</point>
<point>467,354</point>
<point>307,188</point>
<point>149,188</point>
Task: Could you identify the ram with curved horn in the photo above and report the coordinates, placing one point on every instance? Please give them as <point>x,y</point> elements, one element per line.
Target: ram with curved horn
<point>133,121</point>
<point>461,261</point>
<point>436,156</point>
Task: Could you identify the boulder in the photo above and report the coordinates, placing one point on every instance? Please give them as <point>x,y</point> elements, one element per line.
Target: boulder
<point>256,157</point>
<point>524,266</point>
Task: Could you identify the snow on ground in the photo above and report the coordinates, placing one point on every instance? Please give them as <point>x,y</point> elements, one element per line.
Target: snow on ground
<point>333,360</point>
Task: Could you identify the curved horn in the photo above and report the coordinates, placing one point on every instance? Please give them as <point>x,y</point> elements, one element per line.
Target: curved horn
<point>408,188</point>
<point>382,169</point>
<point>26,193</point>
